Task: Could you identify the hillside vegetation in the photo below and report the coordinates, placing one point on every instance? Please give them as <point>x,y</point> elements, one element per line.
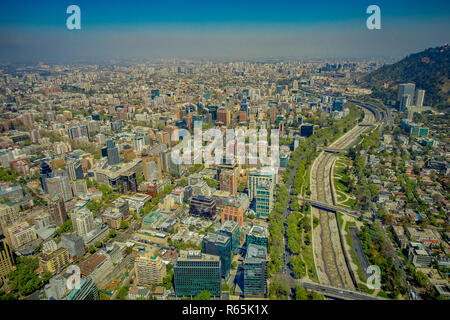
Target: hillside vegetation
<point>428,69</point>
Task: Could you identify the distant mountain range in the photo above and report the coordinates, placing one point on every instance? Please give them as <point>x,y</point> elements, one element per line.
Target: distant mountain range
<point>428,69</point>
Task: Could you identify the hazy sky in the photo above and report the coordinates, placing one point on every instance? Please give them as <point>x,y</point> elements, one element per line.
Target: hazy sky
<point>36,30</point>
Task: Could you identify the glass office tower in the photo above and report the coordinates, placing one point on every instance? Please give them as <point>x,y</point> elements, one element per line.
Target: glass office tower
<point>195,271</point>
<point>220,245</point>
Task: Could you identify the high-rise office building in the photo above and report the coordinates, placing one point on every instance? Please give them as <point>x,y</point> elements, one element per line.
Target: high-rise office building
<point>338,104</point>
<point>165,156</point>
<point>104,151</point>
<point>6,261</point>
<point>35,136</point>
<point>194,272</point>
<point>255,272</point>
<point>261,185</point>
<point>152,168</point>
<point>87,291</point>
<point>79,187</point>
<point>56,287</point>
<point>279,90</point>
<point>220,245</point>
<point>259,235</point>
<point>42,221</point>
<point>407,89</point>
<point>420,95</point>
<point>78,132</point>
<point>281,128</point>
<point>242,116</point>
<point>57,210</point>
<point>128,182</point>
<point>273,113</point>
<point>246,108</point>
<point>8,216</point>
<point>202,206</point>
<point>231,229</point>
<point>306,130</point>
<point>233,212</point>
<point>28,119</point>
<point>138,143</point>
<point>111,152</point>
<point>46,172</point>
<point>122,206</point>
<point>73,243</point>
<point>149,270</point>
<point>213,111</point>
<point>59,186</point>
<point>229,180</point>
<point>113,156</point>
<point>110,144</point>
<point>224,116</point>
<point>405,102</point>
<point>54,261</point>
<point>74,169</point>
<point>82,221</point>
<point>20,234</point>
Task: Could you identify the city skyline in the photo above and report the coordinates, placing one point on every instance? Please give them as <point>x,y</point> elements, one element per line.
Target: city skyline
<point>31,32</point>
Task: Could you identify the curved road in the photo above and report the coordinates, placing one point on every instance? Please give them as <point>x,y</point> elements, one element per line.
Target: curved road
<point>329,256</point>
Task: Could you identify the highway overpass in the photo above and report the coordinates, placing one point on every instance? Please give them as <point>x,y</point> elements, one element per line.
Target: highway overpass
<point>333,208</point>
<point>337,293</point>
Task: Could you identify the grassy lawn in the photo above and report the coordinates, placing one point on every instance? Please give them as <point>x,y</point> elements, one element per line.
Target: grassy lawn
<point>307,256</point>
<point>383,294</point>
<point>349,203</point>
<point>348,237</point>
<point>341,221</point>
<point>305,184</point>
<point>339,186</point>
<point>341,196</point>
<point>364,288</point>
<point>339,169</point>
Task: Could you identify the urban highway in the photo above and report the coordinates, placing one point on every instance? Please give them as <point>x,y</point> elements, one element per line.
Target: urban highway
<point>331,262</point>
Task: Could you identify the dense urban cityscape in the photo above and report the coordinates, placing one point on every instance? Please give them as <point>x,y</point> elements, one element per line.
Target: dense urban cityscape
<point>238,153</point>
<point>88,180</point>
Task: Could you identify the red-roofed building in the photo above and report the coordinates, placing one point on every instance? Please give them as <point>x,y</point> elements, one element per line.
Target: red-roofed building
<point>89,265</point>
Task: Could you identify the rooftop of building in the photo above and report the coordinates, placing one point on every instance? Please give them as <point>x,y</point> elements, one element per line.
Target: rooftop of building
<point>136,197</point>
<point>112,213</point>
<point>154,217</point>
<point>120,201</point>
<point>147,258</point>
<point>216,237</point>
<point>229,226</point>
<point>202,198</point>
<point>256,252</point>
<point>117,170</point>
<point>81,211</point>
<point>72,236</point>
<point>259,231</point>
<point>189,255</point>
<point>264,172</point>
<point>89,265</point>
<point>221,193</point>
<point>418,232</point>
<point>51,255</point>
